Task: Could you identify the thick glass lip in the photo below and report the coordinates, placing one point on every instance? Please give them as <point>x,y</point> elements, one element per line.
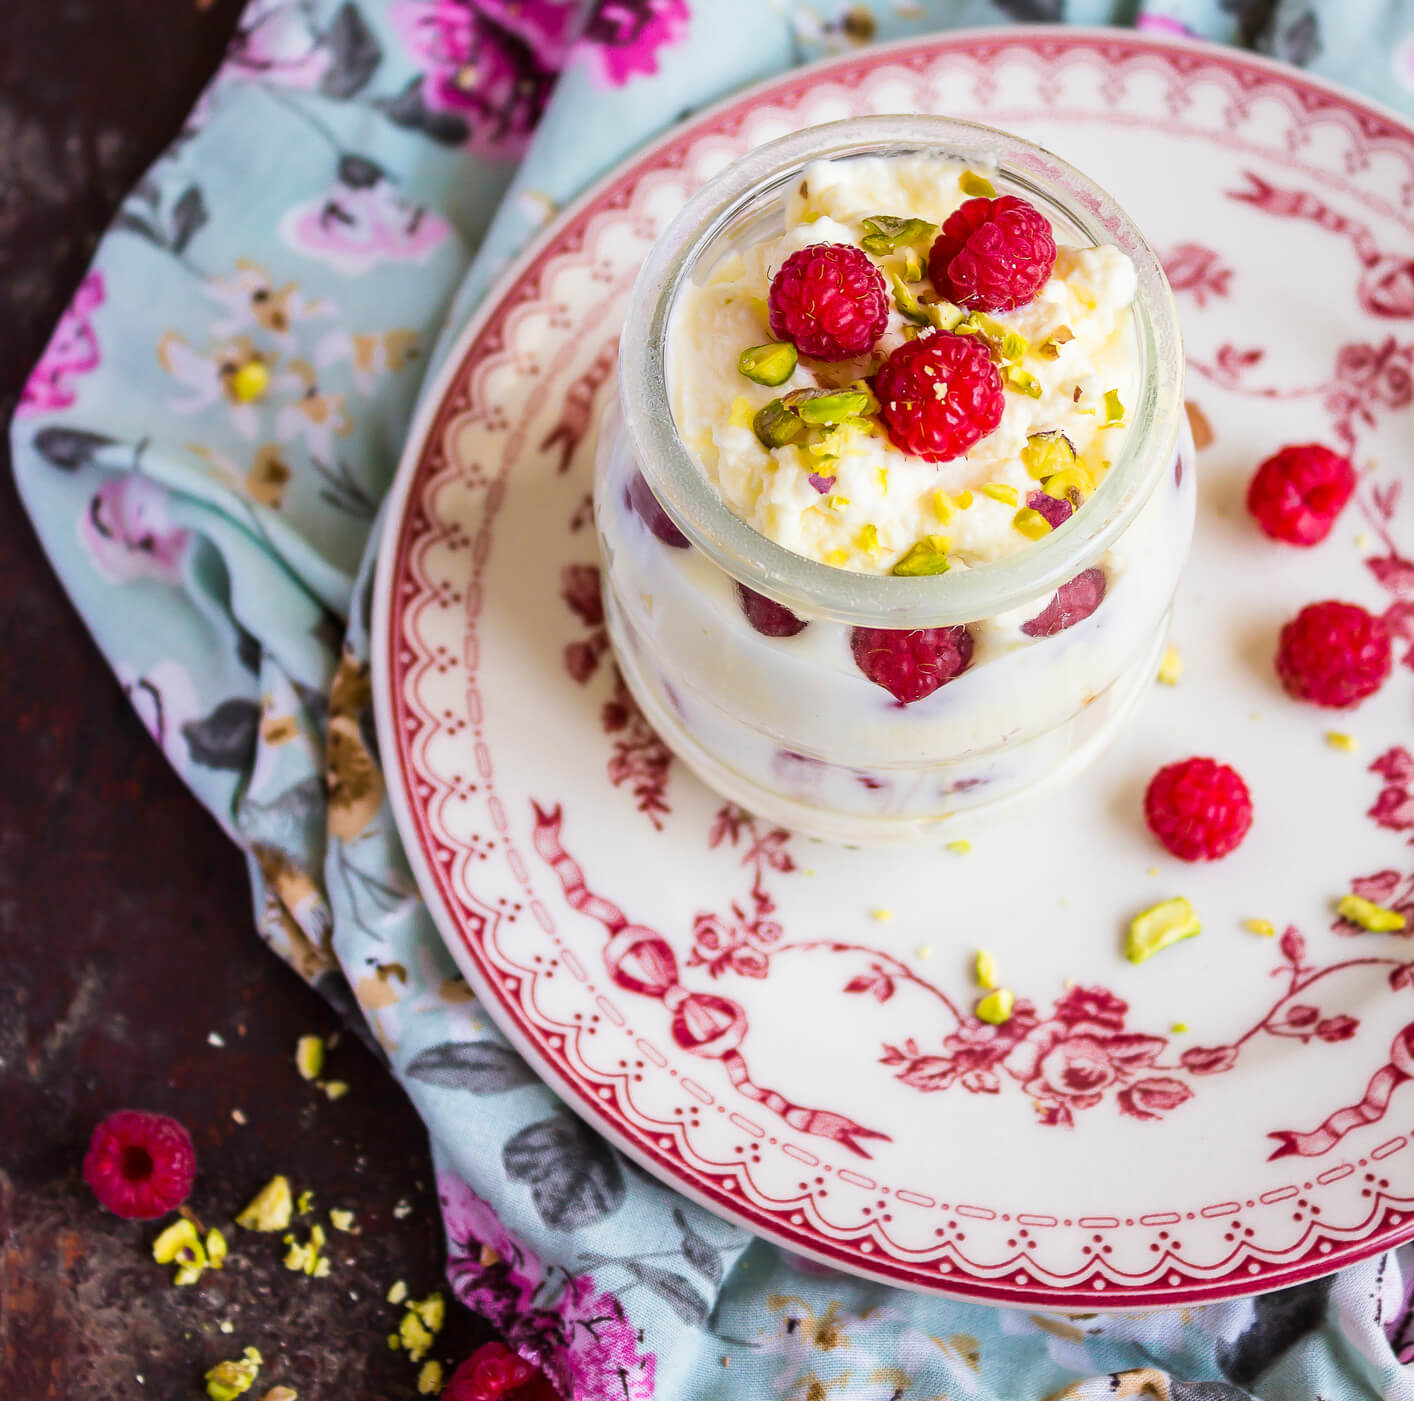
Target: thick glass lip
<point>823,591</point>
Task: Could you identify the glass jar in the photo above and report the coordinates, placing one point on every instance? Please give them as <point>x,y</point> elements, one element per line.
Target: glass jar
<point>788,726</point>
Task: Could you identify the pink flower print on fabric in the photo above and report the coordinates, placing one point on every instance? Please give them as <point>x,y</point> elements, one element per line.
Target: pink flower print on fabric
<point>600,1360</point>
<point>489,1271</point>
<point>72,352</point>
<point>276,40</point>
<point>362,220</point>
<point>490,63</point>
<point>127,533</point>
<point>166,699</point>
<point>1162,24</point>
<point>623,37</point>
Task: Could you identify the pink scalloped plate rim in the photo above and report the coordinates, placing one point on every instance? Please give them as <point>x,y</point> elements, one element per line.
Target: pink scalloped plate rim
<point>434,611</point>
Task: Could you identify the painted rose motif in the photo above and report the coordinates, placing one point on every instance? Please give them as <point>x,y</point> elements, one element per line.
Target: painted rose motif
<point>1394,807</point>
<point>488,67</point>
<point>72,352</point>
<point>1192,268</point>
<point>622,38</point>
<point>127,533</point>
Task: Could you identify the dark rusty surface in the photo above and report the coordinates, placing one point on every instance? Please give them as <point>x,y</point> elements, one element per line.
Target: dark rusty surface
<point>124,912</point>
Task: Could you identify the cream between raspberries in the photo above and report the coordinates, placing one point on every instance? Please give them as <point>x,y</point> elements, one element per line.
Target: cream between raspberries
<point>843,493</point>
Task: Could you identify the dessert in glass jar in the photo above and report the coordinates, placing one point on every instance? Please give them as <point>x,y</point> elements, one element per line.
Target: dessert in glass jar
<point>898,487</point>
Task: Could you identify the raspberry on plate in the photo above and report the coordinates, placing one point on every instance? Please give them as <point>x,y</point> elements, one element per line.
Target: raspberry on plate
<point>494,1373</point>
<point>140,1165</point>
<point>769,618</point>
<point>1334,654</point>
<point>993,254</point>
<point>939,395</point>
<point>1198,808</point>
<point>1297,494</point>
<point>911,665</point>
<point>829,301</point>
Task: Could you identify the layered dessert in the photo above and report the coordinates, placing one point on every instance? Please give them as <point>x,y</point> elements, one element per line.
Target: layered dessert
<point>906,377</point>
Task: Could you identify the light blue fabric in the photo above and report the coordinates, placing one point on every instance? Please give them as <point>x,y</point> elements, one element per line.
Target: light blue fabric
<point>203,450</point>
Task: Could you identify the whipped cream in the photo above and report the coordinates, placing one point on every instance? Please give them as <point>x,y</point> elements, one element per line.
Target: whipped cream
<point>881,501</point>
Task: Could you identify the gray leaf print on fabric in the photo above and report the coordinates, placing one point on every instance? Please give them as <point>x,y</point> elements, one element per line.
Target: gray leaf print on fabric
<point>1300,41</point>
<point>481,1067</point>
<point>697,1252</point>
<point>225,739</point>
<point>409,110</point>
<point>188,217</point>
<point>575,1179</point>
<point>355,52</point>
<point>682,1298</point>
<point>69,448</point>
<point>1282,1320</point>
<point>1032,11</point>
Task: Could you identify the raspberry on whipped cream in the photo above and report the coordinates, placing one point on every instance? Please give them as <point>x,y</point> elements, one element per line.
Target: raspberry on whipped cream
<point>916,418</point>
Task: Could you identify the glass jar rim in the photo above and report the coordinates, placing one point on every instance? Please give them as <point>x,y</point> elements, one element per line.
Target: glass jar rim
<point>819,590</point>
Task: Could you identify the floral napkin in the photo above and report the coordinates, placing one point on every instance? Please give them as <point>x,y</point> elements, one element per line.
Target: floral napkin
<point>204,448</point>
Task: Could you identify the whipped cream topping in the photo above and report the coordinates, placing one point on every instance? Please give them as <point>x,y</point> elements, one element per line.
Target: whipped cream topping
<point>848,497</point>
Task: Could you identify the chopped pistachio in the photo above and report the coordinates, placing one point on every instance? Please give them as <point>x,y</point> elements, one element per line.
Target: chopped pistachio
<point>1114,410</point>
<point>336,1089</point>
<point>882,916</point>
<point>1047,453</point>
<point>340,1219</point>
<point>309,1057</point>
<point>1179,1028</point>
<point>996,1007</point>
<point>1014,377</point>
<point>963,500</point>
<point>986,970</point>
<point>771,364</point>
<point>885,233</point>
<point>913,268</point>
<point>946,316</point>
<point>826,408</point>
<point>1001,340</point>
<point>1031,523</point>
<point>867,539</point>
<point>414,1336</point>
<point>1171,666</point>
<point>928,556</point>
<point>775,425</point>
<point>837,503</point>
<point>227,1380</point>
<point>179,1236</point>
<point>942,506</point>
<point>216,1249</point>
<point>1369,915</point>
<point>1070,480</point>
<point>883,475</point>
<point>429,1379</point>
<point>1159,927</point>
<point>976,186</point>
<point>1338,739</point>
<point>432,1311</point>
<point>304,1202</point>
<point>743,411</point>
<point>307,1258</point>
<point>961,846</point>
<point>397,1292</point>
<point>1263,927</point>
<point>1001,491</point>
<point>907,301</point>
<point>270,1209</point>
<point>1050,347</point>
<point>837,557</point>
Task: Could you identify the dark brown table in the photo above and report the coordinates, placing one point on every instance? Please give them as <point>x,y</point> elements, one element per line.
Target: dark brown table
<point>125,918</point>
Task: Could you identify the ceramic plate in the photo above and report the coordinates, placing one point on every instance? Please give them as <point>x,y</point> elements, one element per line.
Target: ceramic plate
<point>783,1030</point>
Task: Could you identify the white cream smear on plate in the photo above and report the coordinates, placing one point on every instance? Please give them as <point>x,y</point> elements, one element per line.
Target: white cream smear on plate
<point>903,498</point>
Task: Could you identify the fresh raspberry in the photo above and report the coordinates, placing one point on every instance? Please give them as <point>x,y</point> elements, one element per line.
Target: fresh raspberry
<point>939,395</point>
<point>1198,808</point>
<point>641,499</point>
<point>829,300</point>
<point>495,1373</point>
<point>993,254</point>
<point>911,665</point>
<point>1072,603</point>
<point>1056,509</point>
<point>1297,494</point>
<point>140,1165</point>
<point>768,617</point>
<point>1333,654</point>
